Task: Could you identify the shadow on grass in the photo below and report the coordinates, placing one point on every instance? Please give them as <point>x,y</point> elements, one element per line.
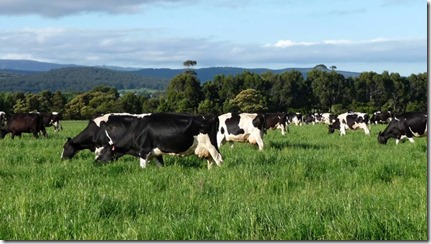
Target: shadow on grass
<point>286,144</point>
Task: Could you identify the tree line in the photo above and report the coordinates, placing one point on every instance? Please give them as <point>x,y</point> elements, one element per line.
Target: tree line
<point>322,90</point>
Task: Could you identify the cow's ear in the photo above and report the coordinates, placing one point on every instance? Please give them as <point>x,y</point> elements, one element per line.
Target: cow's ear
<point>380,133</point>
<point>69,139</point>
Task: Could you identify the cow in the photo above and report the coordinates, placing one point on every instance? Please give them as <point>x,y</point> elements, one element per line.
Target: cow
<point>309,118</point>
<point>163,133</point>
<point>295,118</point>
<point>328,118</point>
<point>24,123</point>
<point>52,119</point>
<point>350,120</point>
<point>406,125</point>
<point>241,127</point>
<point>276,121</point>
<point>379,117</point>
<point>92,137</point>
<point>3,119</point>
<point>318,118</point>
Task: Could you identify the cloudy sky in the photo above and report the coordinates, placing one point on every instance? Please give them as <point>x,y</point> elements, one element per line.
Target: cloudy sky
<point>366,35</point>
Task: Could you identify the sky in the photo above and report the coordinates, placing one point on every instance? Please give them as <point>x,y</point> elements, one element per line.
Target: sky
<point>352,35</point>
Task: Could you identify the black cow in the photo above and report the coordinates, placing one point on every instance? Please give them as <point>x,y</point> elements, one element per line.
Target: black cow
<point>381,117</point>
<point>92,137</point>
<point>52,119</point>
<point>163,133</point>
<point>24,123</point>
<point>406,125</point>
<point>276,121</point>
<point>350,120</point>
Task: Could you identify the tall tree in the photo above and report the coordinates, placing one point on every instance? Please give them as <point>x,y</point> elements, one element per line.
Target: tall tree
<point>183,94</point>
<point>249,101</point>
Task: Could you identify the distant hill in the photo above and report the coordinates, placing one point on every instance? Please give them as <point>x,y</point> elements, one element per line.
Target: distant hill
<point>30,65</point>
<point>34,76</point>
<point>79,79</point>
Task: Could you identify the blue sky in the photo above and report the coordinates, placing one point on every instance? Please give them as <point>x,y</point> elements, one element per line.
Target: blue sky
<point>367,35</point>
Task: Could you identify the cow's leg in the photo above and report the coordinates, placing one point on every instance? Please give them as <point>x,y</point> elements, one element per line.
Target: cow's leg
<point>159,160</point>
<point>342,130</point>
<point>44,132</point>
<point>411,139</point>
<point>220,139</point>
<point>365,128</point>
<point>143,162</point>
<point>231,144</point>
<point>283,132</point>
<point>215,156</point>
<point>210,163</point>
<point>258,137</point>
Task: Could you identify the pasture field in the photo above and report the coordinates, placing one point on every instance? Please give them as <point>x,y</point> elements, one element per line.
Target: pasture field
<point>307,185</point>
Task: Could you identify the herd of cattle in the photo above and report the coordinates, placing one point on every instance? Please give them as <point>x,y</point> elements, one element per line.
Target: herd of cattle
<point>149,136</point>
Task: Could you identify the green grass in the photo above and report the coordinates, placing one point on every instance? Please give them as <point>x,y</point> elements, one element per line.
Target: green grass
<point>307,185</point>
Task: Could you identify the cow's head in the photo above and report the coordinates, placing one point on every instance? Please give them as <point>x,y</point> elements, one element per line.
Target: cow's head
<point>106,154</point>
<point>69,149</point>
<point>381,138</point>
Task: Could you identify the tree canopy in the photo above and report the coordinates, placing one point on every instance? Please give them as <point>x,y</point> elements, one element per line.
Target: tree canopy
<point>322,90</point>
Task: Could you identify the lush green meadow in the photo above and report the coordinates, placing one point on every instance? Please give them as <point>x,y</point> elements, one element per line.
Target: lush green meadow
<point>307,185</point>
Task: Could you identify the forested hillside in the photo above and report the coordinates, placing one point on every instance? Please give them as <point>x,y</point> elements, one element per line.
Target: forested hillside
<point>321,91</point>
<point>32,76</point>
<point>78,79</point>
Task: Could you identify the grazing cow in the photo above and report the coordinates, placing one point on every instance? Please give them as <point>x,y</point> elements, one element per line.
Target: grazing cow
<point>241,127</point>
<point>406,125</point>
<point>24,123</point>
<point>309,118</point>
<point>163,133</point>
<point>318,118</point>
<point>92,137</point>
<point>328,118</point>
<point>276,121</point>
<point>381,117</point>
<point>295,118</point>
<point>52,119</point>
<point>350,120</point>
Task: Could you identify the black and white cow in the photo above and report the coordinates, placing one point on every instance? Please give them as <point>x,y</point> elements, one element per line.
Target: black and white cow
<point>52,119</point>
<point>309,119</point>
<point>276,121</point>
<point>318,118</point>
<point>381,117</point>
<point>3,119</point>
<point>163,133</point>
<point>352,121</point>
<point>24,123</point>
<point>406,125</point>
<point>295,118</point>
<point>92,137</point>
<point>328,118</point>
<point>241,127</point>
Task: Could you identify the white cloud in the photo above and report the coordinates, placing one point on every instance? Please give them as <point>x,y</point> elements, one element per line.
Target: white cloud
<point>289,43</point>
<point>58,8</point>
<point>135,48</point>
